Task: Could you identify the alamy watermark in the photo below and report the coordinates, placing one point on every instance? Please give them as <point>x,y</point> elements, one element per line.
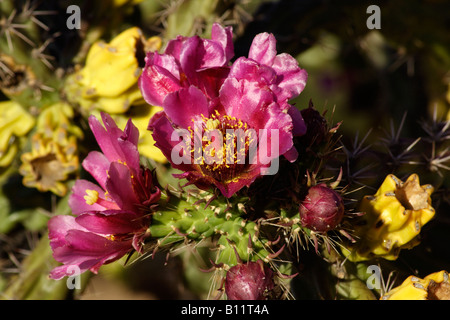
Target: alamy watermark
<point>374,280</point>
<point>74,279</point>
<point>374,20</point>
<point>74,20</point>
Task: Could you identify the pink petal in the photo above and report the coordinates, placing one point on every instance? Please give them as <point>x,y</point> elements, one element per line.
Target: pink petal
<point>297,120</point>
<point>263,48</point>
<point>186,105</point>
<point>131,132</point>
<point>290,76</point>
<point>162,134</point>
<point>225,37</point>
<point>111,222</point>
<point>245,100</point>
<point>175,46</point>
<point>97,165</point>
<point>120,188</point>
<point>228,190</point>
<point>106,136</point>
<point>65,270</point>
<point>252,70</point>
<point>58,226</point>
<point>130,155</point>
<point>275,119</point>
<point>197,54</point>
<point>160,77</point>
<point>212,80</point>
<point>114,143</point>
<point>291,155</point>
<point>87,251</point>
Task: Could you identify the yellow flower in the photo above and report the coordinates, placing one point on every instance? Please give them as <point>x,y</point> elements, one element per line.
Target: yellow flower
<point>50,162</point>
<point>54,153</point>
<point>393,219</point>
<point>108,81</point>
<point>435,286</point>
<point>14,122</point>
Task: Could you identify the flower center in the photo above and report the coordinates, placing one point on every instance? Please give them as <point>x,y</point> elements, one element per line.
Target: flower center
<point>48,169</point>
<point>223,146</point>
<point>412,196</point>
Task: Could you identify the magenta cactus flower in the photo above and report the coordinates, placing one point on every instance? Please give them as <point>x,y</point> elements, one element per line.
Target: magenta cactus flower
<point>111,217</point>
<point>249,281</point>
<point>234,122</point>
<point>260,116</point>
<point>122,182</point>
<point>322,209</point>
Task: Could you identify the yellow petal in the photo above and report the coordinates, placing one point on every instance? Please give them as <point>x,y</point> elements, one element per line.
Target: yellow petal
<point>112,68</point>
<point>14,120</point>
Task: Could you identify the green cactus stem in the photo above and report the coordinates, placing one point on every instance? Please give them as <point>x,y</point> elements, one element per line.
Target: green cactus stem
<point>185,216</point>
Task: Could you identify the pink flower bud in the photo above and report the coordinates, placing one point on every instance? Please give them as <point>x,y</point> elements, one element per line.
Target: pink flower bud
<point>248,281</point>
<point>322,209</point>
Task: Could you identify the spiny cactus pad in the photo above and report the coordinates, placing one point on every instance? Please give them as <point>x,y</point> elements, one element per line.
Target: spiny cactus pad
<point>187,217</point>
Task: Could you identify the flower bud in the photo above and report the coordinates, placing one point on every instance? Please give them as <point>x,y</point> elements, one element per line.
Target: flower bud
<point>322,209</point>
<point>316,126</point>
<point>248,281</point>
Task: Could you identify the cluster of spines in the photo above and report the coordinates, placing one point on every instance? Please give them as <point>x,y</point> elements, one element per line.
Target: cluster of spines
<point>26,66</point>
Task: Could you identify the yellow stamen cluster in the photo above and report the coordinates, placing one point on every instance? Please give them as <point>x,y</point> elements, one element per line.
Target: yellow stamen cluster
<point>111,237</point>
<point>221,158</point>
<point>91,197</point>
